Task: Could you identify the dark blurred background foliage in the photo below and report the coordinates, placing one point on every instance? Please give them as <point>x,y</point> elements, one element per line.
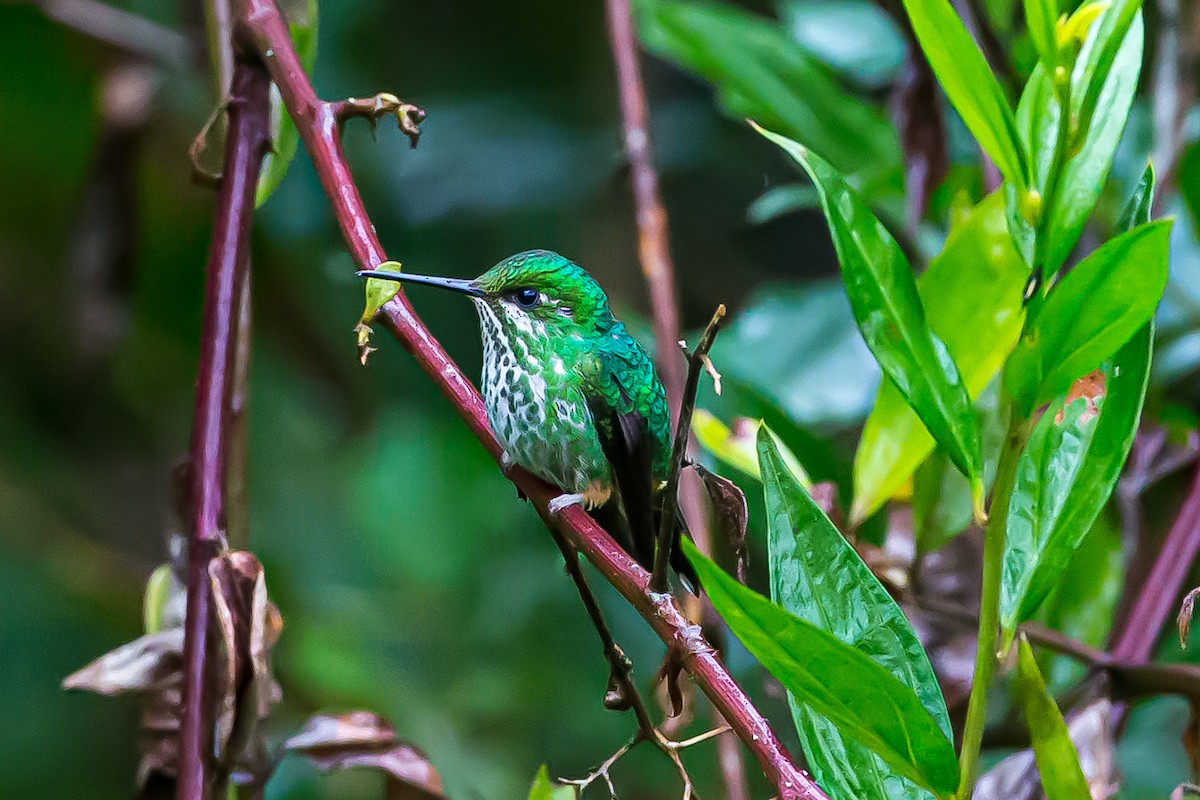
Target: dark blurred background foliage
<point>410,579</point>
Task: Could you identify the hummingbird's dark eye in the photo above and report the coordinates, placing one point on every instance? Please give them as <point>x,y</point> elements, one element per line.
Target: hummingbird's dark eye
<point>527,297</point>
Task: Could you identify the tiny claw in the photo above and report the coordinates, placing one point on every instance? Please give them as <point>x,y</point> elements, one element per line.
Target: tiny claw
<point>564,501</point>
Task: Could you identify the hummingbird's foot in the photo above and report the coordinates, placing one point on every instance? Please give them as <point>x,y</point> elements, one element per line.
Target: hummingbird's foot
<point>564,501</point>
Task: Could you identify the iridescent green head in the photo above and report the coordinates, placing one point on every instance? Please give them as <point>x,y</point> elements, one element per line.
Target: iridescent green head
<point>533,293</point>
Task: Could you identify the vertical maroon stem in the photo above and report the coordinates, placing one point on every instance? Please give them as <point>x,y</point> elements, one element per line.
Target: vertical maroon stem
<point>1158,598</point>
<point>245,146</point>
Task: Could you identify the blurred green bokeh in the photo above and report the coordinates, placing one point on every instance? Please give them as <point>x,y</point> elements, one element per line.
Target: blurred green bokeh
<point>411,580</point>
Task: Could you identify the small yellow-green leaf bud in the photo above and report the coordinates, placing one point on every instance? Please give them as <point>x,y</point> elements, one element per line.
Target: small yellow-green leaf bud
<point>1030,206</point>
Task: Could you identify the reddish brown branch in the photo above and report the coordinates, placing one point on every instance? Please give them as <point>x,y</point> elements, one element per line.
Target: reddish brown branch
<point>1158,599</point>
<point>246,145</point>
<point>316,121</point>
<point>653,244</point>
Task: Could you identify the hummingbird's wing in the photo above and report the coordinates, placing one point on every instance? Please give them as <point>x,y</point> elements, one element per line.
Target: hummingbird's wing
<point>630,448</point>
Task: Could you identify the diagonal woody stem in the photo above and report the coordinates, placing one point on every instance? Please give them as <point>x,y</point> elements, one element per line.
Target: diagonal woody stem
<point>316,121</point>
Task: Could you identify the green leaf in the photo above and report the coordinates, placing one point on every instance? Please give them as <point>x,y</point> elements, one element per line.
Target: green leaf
<point>1066,474</point>
<point>888,310</point>
<point>1057,760</point>
<point>1084,600</point>
<point>759,73</point>
<point>967,80</point>
<point>971,293</point>
<point>817,575</point>
<point>284,136</point>
<point>1083,174</point>
<point>1137,210</point>
<point>1094,310</point>
<point>941,497</point>
<point>738,449</point>
<point>1105,40</point>
<point>1040,16</point>
<point>544,789</point>
<point>862,699</point>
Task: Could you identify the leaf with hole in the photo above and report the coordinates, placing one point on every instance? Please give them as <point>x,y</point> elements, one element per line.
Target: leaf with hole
<point>1065,475</point>
<point>1096,308</point>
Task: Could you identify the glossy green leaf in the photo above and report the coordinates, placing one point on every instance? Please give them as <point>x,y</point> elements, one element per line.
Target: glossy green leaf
<point>1066,474</point>
<point>1057,760</point>
<point>964,74</point>
<point>865,701</point>
<point>971,293</point>
<point>738,448</point>
<point>284,136</point>
<point>545,789</point>
<point>759,73</point>
<point>1141,202</point>
<point>1094,310</point>
<point>817,575</point>
<point>1100,52</point>
<point>888,310</point>
<point>1040,16</point>
<point>941,497</point>
<point>1081,178</point>
<point>1084,600</point>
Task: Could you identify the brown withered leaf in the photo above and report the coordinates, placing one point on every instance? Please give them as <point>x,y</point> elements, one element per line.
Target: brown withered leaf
<point>146,664</point>
<point>245,628</point>
<point>245,625</point>
<point>365,739</point>
<point>1016,777</point>
<point>730,514</point>
<point>1184,620</point>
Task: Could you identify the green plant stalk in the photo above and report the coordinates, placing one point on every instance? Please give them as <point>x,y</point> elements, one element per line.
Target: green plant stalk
<point>989,604</point>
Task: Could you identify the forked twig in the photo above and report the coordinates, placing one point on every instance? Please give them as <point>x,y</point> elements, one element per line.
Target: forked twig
<point>670,509</point>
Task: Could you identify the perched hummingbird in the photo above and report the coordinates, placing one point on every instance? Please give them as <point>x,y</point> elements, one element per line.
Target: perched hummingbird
<point>570,394</point>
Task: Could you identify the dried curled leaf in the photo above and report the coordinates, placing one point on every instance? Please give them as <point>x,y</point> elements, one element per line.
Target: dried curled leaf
<point>1184,620</point>
<point>365,739</point>
<point>731,514</point>
<point>146,664</point>
<point>245,625</point>
<point>249,625</point>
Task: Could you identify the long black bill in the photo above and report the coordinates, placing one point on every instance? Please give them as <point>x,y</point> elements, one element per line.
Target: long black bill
<point>453,284</point>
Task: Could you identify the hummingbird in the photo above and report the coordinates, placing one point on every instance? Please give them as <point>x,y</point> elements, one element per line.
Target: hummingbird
<point>571,395</point>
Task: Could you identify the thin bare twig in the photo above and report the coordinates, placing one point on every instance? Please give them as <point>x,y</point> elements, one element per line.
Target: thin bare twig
<point>246,145</point>
<point>683,430</point>
<point>317,124</point>
<point>621,669</point>
<point>654,254</point>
